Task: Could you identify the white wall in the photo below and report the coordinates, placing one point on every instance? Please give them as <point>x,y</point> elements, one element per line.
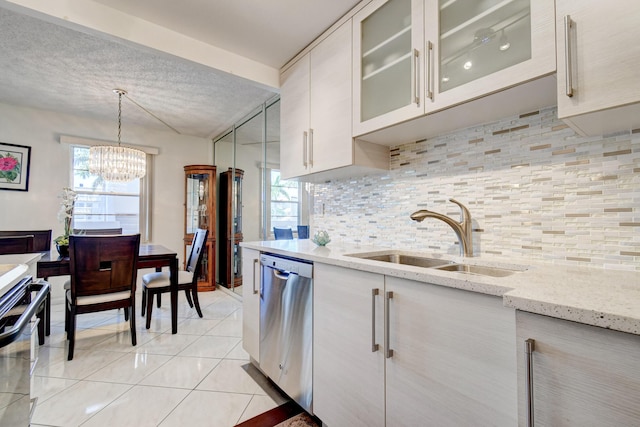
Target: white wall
<point>41,130</point>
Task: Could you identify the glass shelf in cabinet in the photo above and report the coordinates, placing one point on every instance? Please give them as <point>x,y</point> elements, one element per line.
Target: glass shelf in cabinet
<point>385,42</point>
<point>386,66</point>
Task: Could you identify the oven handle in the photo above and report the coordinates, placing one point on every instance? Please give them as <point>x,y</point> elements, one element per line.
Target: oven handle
<point>10,335</point>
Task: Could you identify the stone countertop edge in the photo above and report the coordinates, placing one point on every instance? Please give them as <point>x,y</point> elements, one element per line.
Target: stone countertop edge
<point>15,267</point>
<point>605,298</point>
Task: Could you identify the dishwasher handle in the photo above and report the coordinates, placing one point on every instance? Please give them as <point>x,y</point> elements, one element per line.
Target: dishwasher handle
<point>283,275</point>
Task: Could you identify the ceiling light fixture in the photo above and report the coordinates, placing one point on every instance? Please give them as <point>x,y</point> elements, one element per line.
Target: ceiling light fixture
<point>115,163</point>
<point>483,36</point>
<point>504,42</point>
<point>468,63</point>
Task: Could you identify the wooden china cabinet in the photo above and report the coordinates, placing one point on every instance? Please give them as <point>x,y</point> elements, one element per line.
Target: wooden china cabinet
<point>230,217</point>
<point>200,212</point>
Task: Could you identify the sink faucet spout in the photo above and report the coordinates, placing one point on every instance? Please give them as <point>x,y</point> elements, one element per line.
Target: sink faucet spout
<point>462,228</point>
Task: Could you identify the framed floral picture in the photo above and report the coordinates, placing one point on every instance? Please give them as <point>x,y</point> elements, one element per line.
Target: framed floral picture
<point>14,167</point>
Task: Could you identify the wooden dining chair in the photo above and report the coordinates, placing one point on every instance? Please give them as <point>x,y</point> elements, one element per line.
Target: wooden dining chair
<point>103,277</point>
<point>159,282</point>
<point>41,238</point>
<point>97,231</point>
<point>16,245</point>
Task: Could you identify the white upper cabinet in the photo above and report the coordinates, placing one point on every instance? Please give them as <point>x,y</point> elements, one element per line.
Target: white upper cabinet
<point>316,103</point>
<point>468,50</point>
<point>330,139</point>
<point>598,62</point>
<point>480,47</point>
<point>388,71</point>
<point>294,119</point>
<point>316,108</point>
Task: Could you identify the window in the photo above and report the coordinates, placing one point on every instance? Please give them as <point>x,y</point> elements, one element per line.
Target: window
<point>103,204</point>
<point>284,202</point>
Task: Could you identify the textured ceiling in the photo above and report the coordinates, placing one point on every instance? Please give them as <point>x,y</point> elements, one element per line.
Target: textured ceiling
<point>52,67</point>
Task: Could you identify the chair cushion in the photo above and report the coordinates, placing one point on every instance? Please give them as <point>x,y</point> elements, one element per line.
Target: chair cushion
<point>97,299</point>
<point>161,279</point>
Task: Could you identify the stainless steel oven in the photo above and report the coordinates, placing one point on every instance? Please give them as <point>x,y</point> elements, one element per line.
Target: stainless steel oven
<point>286,326</point>
<point>18,350</point>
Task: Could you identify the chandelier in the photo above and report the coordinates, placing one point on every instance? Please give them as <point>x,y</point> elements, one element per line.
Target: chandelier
<point>115,163</point>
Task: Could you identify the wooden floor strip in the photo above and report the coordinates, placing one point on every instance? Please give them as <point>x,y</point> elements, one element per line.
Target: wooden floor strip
<point>274,416</point>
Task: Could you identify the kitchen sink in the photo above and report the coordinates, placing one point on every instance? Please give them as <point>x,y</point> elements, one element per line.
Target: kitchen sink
<point>416,261</point>
<point>477,269</point>
<point>437,264</point>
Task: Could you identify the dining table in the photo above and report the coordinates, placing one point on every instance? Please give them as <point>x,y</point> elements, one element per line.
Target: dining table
<point>149,256</point>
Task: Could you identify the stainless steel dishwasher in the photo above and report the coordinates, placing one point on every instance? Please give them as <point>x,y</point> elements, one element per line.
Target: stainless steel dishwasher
<point>286,326</point>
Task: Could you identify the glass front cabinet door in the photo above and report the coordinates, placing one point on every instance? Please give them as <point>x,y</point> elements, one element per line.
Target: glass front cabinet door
<point>200,212</point>
<point>481,47</point>
<point>413,58</point>
<point>230,217</point>
<point>388,39</point>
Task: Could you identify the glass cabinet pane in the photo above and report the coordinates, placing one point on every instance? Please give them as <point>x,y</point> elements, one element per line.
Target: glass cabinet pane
<point>386,59</point>
<point>237,202</point>
<point>197,200</point>
<point>478,38</point>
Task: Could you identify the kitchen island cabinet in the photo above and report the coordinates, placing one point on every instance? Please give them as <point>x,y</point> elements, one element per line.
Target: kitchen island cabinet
<point>449,359</point>
<point>598,85</point>
<point>580,375</point>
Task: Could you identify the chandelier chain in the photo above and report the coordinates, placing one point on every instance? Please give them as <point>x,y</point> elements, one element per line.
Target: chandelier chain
<point>119,115</point>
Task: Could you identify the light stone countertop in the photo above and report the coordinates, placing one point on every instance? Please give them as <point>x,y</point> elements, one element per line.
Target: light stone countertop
<point>15,267</point>
<point>593,296</point>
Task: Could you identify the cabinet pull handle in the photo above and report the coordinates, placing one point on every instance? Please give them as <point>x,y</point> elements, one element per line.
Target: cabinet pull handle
<point>430,73</point>
<point>568,24</point>
<point>374,346</point>
<point>255,262</point>
<point>416,77</point>
<point>311,147</point>
<point>388,353</point>
<point>529,348</point>
<point>304,149</point>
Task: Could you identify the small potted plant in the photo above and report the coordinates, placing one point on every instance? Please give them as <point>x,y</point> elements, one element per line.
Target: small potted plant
<point>65,215</point>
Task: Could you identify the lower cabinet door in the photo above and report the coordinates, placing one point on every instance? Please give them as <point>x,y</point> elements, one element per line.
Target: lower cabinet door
<point>348,374</point>
<point>251,302</point>
<point>454,357</point>
<point>581,375</point>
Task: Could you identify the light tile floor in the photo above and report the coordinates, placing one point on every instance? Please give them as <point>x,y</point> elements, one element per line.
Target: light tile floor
<point>198,377</point>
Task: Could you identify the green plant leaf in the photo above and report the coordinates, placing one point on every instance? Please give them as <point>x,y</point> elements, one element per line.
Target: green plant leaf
<point>9,175</point>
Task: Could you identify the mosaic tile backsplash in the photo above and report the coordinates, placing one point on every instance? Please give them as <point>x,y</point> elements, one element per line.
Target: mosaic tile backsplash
<point>535,189</point>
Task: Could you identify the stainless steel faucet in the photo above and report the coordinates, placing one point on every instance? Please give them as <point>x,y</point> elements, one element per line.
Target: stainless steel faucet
<point>462,229</point>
